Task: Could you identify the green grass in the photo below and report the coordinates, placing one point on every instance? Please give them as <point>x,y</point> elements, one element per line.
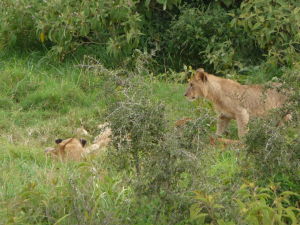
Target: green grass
<point>55,99</point>
<point>40,102</point>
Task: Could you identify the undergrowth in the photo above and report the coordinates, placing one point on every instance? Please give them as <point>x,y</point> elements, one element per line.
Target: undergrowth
<point>154,172</point>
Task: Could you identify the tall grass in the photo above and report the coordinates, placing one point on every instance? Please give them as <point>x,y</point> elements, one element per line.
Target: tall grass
<point>41,101</point>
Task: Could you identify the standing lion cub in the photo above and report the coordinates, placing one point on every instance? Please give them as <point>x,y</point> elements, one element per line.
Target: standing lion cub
<point>233,100</point>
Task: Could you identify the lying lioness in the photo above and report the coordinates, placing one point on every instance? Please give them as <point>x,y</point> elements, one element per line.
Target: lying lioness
<point>68,149</point>
<point>233,100</point>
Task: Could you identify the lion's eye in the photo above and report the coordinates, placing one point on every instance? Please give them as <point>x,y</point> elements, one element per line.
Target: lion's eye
<point>191,84</point>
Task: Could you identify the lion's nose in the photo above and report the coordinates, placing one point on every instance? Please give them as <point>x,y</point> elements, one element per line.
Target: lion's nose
<point>185,94</point>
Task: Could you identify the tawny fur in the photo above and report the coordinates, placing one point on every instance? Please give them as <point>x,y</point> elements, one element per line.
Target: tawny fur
<point>232,100</point>
<point>68,149</point>
<point>101,141</point>
<point>182,122</point>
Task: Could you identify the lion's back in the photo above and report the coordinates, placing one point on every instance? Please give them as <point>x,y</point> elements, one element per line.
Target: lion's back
<point>257,99</point>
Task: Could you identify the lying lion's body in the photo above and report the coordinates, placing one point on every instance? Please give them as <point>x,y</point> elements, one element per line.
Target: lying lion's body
<point>233,100</point>
<point>68,149</point>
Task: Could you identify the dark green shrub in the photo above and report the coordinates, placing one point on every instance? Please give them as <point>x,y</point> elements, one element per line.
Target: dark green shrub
<point>205,37</point>
<point>18,23</point>
<point>273,25</point>
<point>193,32</point>
<point>65,25</point>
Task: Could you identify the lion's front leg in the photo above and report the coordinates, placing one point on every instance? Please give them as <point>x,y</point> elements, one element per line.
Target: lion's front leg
<point>242,119</point>
<point>222,124</point>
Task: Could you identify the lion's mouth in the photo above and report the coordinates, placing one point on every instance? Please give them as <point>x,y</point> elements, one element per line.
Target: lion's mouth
<point>191,98</point>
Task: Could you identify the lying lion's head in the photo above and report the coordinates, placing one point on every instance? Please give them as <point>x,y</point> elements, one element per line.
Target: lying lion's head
<point>197,85</point>
<point>70,148</point>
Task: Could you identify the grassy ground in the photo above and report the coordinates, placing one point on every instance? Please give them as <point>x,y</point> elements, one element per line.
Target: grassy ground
<point>40,102</point>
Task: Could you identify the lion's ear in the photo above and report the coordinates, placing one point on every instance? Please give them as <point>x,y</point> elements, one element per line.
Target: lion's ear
<point>83,142</point>
<point>201,75</point>
<point>57,141</point>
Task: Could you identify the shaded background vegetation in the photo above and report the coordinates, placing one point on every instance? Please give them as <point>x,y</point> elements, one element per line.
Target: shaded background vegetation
<point>223,35</point>
<point>71,64</point>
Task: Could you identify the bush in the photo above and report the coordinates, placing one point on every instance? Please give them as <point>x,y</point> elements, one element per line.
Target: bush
<point>65,25</point>
<point>194,135</point>
<point>138,126</point>
<point>163,164</point>
<point>253,205</point>
<point>224,35</point>
<point>266,205</point>
<point>206,37</point>
<point>275,149</point>
<point>273,26</point>
<point>18,23</point>
<point>194,30</point>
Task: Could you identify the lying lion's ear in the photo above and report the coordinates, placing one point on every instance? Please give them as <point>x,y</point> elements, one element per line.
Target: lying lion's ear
<point>57,141</point>
<point>83,142</point>
<point>201,75</point>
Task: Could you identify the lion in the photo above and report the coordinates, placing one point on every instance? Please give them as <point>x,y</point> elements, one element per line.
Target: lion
<point>182,122</point>
<point>68,149</point>
<point>233,100</point>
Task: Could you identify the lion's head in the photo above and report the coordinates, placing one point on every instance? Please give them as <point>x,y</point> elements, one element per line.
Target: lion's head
<point>197,85</point>
<point>70,148</point>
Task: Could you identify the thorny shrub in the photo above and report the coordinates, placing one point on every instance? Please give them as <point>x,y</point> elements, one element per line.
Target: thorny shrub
<point>162,159</point>
<point>275,149</point>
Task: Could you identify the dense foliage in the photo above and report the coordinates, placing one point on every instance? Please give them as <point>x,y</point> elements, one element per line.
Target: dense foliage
<point>225,36</point>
